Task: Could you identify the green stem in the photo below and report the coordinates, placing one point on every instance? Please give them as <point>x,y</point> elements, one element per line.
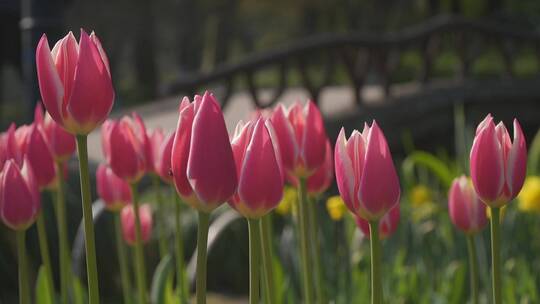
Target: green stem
<point>45,256</point>
<point>90,243</point>
<point>267,258</point>
<point>122,260</point>
<point>202,240</point>
<point>315,251</point>
<point>473,264</point>
<point>495,255</point>
<point>65,271</point>
<point>24,288</point>
<point>181,282</point>
<point>304,241</point>
<point>139,252</point>
<point>376,285</point>
<point>254,260</point>
<point>162,241</point>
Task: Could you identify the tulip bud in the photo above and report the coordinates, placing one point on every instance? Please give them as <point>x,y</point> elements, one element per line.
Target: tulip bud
<point>39,155</point>
<point>75,82</point>
<point>19,195</point>
<point>365,173</point>
<point>162,159</point>
<point>124,144</point>
<point>302,138</point>
<point>322,178</point>
<point>155,139</point>
<point>61,143</point>
<point>387,225</point>
<point>258,165</point>
<point>466,210</point>
<point>113,190</point>
<point>127,217</point>
<point>202,161</point>
<point>498,165</point>
<point>10,147</point>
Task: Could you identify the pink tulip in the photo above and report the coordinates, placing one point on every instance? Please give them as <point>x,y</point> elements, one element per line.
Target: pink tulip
<point>38,153</point>
<point>387,225</point>
<point>125,147</point>
<point>127,217</point>
<point>321,180</point>
<point>10,147</point>
<point>61,143</point>
<point>19,195</point>
<point>113,190</point>
<point>466,210</point>
<point>498,165</point>
<point>365,173</point>
<point>155,139</point>
<point>75,82</point>
<point>162,159</point>
<point>258,165</point>
<point>302,138</point>
<point>202,161</point>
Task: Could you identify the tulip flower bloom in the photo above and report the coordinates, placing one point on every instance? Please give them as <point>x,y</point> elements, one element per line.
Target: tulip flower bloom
<point>203,167</point>
<point>258,164</point>
<point>124,144</point>
<point>321,180</point>
<point>368,183</point>
<point>365,173</point>
<point>302,137</point>
<point>38,152</point>
<point>19,195</point>
<point>113,190</point>
<point>202,160</point>
<point>498,165</point>
<point>10,147</point>
<point>466,210</point>
<point>61,143</point>
<point>128,223</point>
<point>75,82</point>
<point>387,225</point>
<point>498,168</point>
<point>155,139</point>
<point>19,207</point>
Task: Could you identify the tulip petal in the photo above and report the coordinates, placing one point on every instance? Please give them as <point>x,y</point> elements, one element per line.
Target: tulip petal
<point>516,164</point>
<point>286,137</point>
<point>180,151</point>
<point>211,168</point>
<point>40,157</point>
<point>92,95</point>
<point>379,186</point>
<point>345,176</point>
<point>50,85</point>
<point>313,138</point>
<point>487,164</point>
<point>66,63</point>
<point>97,42</point>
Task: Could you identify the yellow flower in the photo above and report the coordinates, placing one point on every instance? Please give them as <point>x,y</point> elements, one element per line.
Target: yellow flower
<point>336,207</point>
<point>529,197</point>
<point>287,202</point>
<point>420,195</point>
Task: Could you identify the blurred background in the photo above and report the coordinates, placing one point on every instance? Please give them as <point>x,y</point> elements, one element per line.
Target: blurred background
<point>427,70</point>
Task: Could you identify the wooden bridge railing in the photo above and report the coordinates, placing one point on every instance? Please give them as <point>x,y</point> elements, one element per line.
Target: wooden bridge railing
<point>361,55</point>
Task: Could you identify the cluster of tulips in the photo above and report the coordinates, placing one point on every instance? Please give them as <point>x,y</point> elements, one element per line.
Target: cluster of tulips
<point>208,168</point>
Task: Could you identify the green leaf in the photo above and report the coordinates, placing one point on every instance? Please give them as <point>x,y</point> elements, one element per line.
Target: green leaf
<point>430,162</point>
<point>42,287</point>
<point>160,292</point>
<point>79,292</point>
